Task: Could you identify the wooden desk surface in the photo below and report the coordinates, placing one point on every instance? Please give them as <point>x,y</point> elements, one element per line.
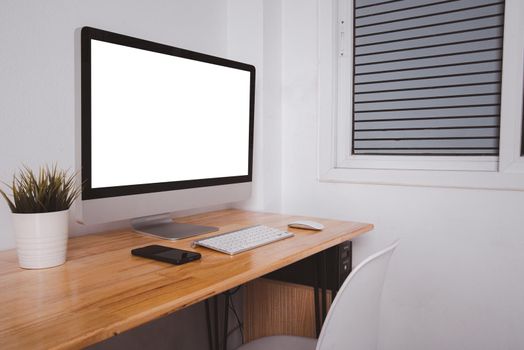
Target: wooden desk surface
<point>103,290</point>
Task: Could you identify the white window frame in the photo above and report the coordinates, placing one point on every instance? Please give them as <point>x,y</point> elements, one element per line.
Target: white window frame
<point>511,160</point>
<point>337,164</point>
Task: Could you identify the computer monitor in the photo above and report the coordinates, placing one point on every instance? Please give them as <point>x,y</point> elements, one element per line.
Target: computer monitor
<point>163,129</point>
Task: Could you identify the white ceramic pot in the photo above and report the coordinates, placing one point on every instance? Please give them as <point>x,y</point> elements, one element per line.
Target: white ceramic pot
<point>41,239</point>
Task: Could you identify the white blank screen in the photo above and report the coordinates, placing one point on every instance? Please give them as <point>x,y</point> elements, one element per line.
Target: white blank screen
<point>160,118</point>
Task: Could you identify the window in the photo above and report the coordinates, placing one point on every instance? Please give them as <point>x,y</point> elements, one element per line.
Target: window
<point>426,77</point>
<point>419,92</point>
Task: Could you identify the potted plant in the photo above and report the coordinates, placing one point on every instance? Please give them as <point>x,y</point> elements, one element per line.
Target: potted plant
<point>40,204</point>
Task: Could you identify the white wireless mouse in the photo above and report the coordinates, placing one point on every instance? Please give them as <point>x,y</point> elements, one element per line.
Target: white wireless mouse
<point>306,224</point>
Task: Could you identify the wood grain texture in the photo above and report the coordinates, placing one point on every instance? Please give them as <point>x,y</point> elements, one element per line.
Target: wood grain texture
<point>279,308</point>
<point>103,290</point>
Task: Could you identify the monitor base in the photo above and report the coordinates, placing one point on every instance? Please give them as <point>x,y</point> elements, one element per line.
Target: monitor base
<point>167,229</point>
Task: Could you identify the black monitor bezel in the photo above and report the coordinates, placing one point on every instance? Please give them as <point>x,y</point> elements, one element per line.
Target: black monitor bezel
<point>88,33</point>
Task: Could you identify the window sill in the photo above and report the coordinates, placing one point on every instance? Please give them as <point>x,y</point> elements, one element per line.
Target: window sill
<point>486,180</point>
<point>437,163</point>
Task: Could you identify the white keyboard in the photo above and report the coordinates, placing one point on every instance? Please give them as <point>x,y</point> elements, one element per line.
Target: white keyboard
<point>248,238</point>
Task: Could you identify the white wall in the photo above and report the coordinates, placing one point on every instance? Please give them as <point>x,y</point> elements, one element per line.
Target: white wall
<point>456,281</point>
<point>37,62</point>
<point>37,103</point>
<point>254,32</point>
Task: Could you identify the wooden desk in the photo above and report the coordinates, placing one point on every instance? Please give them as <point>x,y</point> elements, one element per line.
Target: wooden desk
<point>103,290</point>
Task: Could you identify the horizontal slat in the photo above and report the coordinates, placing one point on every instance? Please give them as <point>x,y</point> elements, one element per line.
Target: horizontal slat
<point>405,9</point>
<point>450,46</point>
<point>428,41</point>
<point>489,121</point>
<point>429,92</point>
<point>362,110</point>
<point>363,7</point>
<point>430,152</point>
<point>421,89</point>
<point>460,66</point>
<point>431,20</point>
<point>438,11</point>
<point>429,29</point>
<point>460,58</point>
<point>447,71</point>
<point>428,143</point>
<point>407,100</point>
<point>384,6</point>
<point>422,82</point>
<point>359,4</point>
<point>421,133</point>
<point>455,35</point>
<point>430,113</point>
<point>414,7</point>
<point>422,60</point>
<point>426,138</point>
<point>449,102</point>
<point>426,77</point>
<point>424,148</point>
<point>419,53</point>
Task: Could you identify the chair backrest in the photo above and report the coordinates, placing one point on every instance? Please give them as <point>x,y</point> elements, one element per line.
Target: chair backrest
<point>353,319</point>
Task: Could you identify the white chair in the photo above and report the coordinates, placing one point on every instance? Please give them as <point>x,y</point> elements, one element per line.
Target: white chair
<point>353,319</point>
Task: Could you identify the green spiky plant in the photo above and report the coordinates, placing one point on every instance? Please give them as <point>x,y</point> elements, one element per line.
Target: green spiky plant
<point>50,190</point>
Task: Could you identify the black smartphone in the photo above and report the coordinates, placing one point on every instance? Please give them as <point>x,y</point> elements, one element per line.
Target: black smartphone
<point>166,254</point>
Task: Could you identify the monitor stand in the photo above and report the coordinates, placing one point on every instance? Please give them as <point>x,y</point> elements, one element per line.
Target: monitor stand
<point>165,228</point>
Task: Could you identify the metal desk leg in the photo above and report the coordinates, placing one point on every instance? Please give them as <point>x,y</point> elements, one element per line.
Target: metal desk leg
<point>320,281</point>
<point>213,327</point>
<point>316,297</point>
<point>208,321</point>
<point>323,279</point>
<point>226,319</point>
<point>215,317</point>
